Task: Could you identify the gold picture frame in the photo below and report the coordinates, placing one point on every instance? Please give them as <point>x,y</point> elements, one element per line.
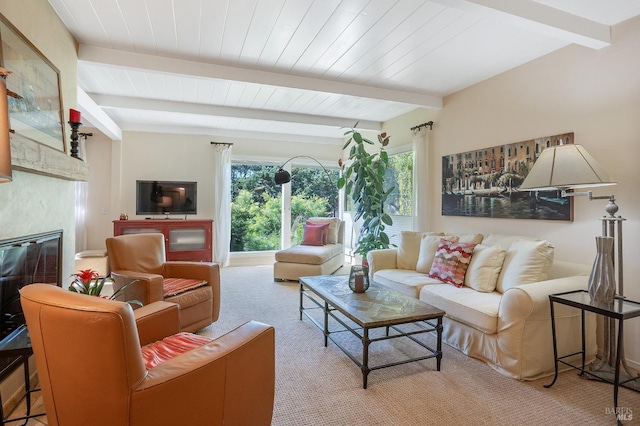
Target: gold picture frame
<point>35,99</point>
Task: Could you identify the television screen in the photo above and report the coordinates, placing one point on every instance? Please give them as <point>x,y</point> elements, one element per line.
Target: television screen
<point>166,197</point>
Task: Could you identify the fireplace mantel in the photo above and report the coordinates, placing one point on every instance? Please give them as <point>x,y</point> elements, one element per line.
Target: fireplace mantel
<point>32,157</point>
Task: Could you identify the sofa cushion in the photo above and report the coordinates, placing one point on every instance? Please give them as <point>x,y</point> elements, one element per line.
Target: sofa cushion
<point>312,255</point>
<point>404,281</point>
<point>428,246</point>
<point>451,262</point>
<point>484,268</point>
<point>467,238</point>
<point>314,235</point>
<point>408,250</point>
<point>526,262</point>
<point>334,227</point>
<point>325,229</point>
<point>475,309</point>
<point>504,240</point>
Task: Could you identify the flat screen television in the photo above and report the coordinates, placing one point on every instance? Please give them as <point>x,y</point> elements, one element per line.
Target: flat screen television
<point>166,197</point>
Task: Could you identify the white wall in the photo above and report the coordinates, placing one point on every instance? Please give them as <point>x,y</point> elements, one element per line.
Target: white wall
<point>593,93</point>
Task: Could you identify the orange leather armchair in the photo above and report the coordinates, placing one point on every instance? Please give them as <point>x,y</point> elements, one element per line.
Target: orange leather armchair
<point>142,257</point>
<point>91,369</point>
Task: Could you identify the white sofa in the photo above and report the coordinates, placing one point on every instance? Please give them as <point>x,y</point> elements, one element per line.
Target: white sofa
<point>305,260</point>
<point>501,314</point>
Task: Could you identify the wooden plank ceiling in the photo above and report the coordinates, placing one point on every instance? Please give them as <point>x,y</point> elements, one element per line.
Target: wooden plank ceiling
<point>300,69</point>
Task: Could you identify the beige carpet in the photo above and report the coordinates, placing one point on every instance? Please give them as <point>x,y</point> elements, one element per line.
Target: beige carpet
<point>322,386</point>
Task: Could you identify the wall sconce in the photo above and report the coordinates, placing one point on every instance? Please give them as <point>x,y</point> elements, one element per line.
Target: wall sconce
<point>5,141</point>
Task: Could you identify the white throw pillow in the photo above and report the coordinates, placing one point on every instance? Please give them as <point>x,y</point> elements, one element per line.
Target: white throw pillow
<point>526,262</point>
<point>409,249</point>
<point>334,227</point>
<point>428,248</point>
<point>484,269</point>
<point>468,238</point>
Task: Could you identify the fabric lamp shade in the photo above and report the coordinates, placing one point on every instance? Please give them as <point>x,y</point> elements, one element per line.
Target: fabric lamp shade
<point>565,167</point>
<point>5,141</point>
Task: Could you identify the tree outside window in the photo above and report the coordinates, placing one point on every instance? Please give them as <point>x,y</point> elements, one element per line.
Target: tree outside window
<point>257,204</point>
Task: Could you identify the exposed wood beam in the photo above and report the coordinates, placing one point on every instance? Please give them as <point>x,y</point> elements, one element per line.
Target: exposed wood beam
<point>108,101</point>
<point>240,134</point>
<point>97,117</point>
<point>161,64</point>
<point>540,18</point>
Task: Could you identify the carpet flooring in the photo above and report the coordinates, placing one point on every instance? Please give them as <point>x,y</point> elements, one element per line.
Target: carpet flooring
<point>317,385</point>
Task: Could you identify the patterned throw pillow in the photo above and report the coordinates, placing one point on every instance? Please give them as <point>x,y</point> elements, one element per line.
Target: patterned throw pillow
<point>451,262</point>
<point>176,286</point>
<point>170,347</point>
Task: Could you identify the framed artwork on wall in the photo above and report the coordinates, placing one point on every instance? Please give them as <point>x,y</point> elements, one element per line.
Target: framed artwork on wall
<point>35,100</point>
<point>485,183</point>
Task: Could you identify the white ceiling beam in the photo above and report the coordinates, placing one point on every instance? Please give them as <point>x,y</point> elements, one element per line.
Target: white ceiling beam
<point>161,64</point>
<point>97,117</point>
<point>540,18</point>
<point>109,101</point>
<point>227,133</point>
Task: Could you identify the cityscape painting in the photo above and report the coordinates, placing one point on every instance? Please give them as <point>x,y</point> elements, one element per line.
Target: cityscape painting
<point>486,182</point>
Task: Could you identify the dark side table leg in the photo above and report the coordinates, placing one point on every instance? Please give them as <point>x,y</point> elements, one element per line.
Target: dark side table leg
<point>555,346</point>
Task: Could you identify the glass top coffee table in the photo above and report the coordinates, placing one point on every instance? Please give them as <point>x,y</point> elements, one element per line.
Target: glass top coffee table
<point>378,307</point>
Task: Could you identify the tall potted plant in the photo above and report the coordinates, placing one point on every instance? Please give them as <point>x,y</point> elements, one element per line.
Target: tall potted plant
<point>363,180</point>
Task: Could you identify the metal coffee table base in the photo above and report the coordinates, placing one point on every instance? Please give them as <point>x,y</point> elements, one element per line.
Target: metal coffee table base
<point>434,324</point>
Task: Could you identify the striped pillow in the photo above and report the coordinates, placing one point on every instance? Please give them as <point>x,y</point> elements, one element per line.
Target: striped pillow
<point>451,262</point>
<point>170,347</point>
<point>175,286</point>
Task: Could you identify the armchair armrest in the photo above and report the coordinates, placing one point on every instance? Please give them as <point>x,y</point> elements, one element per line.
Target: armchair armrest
<point>382,259</point>
<point>228,381</point>
<point>206,271</point>
<point>524,321</point>
<point>157,321</point>
<point>147,289</point>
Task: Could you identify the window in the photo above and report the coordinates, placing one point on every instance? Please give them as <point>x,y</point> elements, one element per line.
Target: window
<point>400,201</point>
<point>400,175</point>
<point>313,193</point>
<point>256,206</point>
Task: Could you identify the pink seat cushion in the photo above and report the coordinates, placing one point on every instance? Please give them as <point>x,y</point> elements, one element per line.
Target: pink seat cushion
<point>170,347</point>
<point>175,286</point>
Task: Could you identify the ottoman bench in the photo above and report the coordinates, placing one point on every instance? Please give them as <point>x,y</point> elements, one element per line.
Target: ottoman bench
<point>304,260</point>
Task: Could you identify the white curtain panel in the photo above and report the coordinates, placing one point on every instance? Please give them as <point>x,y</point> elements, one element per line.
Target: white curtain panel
<point>420,178</point>
<point>221,203</point>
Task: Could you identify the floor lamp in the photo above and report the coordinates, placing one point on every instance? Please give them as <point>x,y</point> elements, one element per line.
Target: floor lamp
<point>282,176</point>
<point>570,167</point>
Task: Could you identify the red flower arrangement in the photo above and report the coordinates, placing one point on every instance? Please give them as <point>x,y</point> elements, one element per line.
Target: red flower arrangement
<point>89,282</point>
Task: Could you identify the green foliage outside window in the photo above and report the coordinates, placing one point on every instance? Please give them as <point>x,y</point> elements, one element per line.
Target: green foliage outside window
<point>256,204</point>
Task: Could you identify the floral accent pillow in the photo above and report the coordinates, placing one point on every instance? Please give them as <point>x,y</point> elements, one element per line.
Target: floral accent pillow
<point>451,262</point>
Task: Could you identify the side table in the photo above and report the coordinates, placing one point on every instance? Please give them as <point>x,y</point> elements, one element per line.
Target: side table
<point>17,346</point>
<point>620,310</point>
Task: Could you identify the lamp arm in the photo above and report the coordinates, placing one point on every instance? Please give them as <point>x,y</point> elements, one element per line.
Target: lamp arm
<point>611,207</point>
<point>326,172</point>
